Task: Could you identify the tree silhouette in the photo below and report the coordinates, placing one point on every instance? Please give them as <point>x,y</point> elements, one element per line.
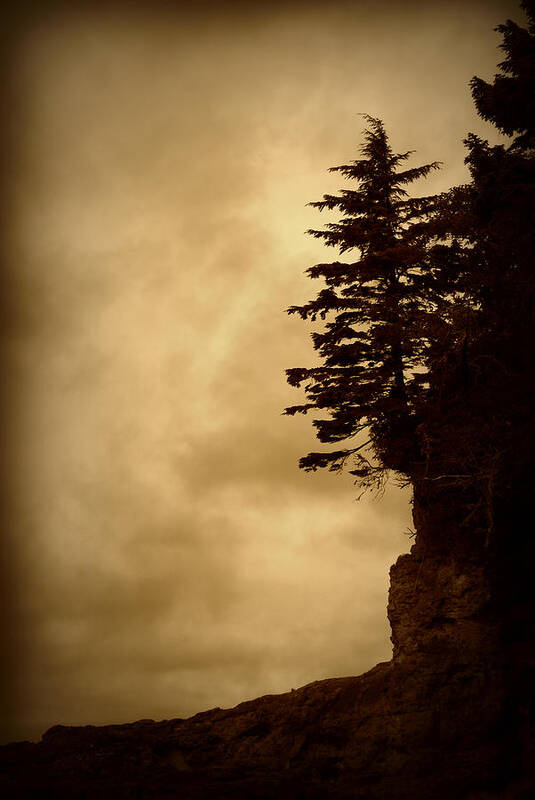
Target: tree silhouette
<point>428,344</point>
<point>478,424</point>
<point>509,102</point>
<point>379,310</point>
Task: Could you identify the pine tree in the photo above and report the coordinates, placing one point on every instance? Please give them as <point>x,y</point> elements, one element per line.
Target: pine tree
<point>478,424</point>
<point>380,312</point>
<point>493,216</point>
<point>509,102</point>
<point>503,177</point>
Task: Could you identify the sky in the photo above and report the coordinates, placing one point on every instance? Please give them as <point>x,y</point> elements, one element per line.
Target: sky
<point>163,554</point>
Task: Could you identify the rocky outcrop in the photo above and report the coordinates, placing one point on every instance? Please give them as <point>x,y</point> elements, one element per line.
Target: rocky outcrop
<point>451,716</point>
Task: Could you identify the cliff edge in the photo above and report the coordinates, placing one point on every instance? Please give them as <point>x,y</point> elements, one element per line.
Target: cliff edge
<point>452,715</point>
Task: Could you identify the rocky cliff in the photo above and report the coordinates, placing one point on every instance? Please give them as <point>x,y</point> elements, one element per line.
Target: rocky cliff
<point>451,716</point>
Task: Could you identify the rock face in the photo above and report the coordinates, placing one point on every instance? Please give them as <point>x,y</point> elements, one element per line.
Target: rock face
<point>451,716</point>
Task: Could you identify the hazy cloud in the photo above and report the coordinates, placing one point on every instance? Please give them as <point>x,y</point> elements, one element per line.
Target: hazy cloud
<point>169,555</point>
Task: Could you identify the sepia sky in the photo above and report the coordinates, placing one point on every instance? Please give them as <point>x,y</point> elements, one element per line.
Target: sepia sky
<point>163,552</point>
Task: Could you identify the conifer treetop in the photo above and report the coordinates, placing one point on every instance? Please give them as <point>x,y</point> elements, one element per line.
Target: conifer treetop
<point>377,311</point>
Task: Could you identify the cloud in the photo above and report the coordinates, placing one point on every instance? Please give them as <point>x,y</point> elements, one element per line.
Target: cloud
<point>169,555</point>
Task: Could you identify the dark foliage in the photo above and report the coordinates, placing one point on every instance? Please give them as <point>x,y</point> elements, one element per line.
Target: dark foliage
<point>478,425</point>
<point>380,311</point>
<point>509,102</point>
<point>428,344</point>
